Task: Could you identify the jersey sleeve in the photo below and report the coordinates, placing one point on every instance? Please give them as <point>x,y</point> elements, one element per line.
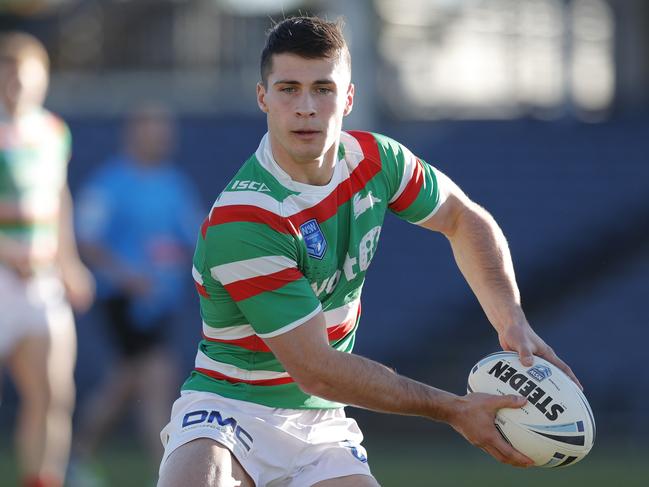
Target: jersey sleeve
<point>255,266</point>
<point>413,184</point>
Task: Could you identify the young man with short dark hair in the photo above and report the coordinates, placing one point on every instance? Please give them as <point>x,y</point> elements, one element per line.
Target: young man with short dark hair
<point>279,267</point>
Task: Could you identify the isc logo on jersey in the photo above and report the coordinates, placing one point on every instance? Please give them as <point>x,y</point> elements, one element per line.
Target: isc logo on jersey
<point>250,186</point>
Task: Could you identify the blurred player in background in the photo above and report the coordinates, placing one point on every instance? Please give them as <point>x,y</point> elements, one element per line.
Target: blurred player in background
<point>279,265</point>
<point>137,220</point>
<point>40,269</point>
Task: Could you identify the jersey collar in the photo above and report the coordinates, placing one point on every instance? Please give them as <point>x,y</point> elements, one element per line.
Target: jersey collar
<point>264,155</point>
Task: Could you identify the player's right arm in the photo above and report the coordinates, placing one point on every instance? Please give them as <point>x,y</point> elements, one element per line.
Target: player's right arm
<point>322,371</point>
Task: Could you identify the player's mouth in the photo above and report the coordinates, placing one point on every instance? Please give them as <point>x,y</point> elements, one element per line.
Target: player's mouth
<point>305,134</point>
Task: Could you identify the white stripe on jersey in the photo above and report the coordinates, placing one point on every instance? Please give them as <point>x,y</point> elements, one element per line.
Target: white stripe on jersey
<point>249,198</point>
<point>333,317</point>
<point>197,276</point>
<point>288,207</point>
<point>353,151</point>
<point>204,362</point>
<point>292,325</point>
<point>309,197</point>
<point>410,162</point>
<point>228,332</point>
<point>341,314</point>
<point>442,192</point>
<point>249,268</point>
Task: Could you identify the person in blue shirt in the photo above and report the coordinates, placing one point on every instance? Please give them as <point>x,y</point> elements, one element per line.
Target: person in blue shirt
<point>138,217</point>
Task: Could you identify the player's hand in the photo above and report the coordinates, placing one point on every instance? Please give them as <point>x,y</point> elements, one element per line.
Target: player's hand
<point>522,339</point>
<point>474,419</point>
<point>79,285</point>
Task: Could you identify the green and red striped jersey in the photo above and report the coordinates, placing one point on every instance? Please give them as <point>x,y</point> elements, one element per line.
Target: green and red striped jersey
<point>34,154</point>
<point>274,252</point>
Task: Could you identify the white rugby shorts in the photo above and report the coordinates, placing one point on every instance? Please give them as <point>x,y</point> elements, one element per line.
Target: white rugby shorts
<point>34,306</point>
<point>276,447</point>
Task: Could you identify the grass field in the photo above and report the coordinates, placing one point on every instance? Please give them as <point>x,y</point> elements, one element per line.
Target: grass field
<point>412,463</point>
<point>461,465</point>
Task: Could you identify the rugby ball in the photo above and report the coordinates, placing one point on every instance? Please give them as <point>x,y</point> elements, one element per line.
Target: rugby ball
<point>555,428</point>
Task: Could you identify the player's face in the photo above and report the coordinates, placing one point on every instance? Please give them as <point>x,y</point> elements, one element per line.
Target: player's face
<point>23,82</point>
<point>305,100</point>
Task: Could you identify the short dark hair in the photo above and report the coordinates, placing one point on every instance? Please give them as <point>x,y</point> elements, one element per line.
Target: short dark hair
<point>20,45</point>
<point>308,37</point>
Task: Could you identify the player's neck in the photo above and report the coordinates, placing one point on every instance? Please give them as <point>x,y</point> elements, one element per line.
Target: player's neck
<point>315,172</point>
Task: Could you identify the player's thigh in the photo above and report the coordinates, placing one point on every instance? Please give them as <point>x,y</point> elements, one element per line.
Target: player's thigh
<point>203,463</point>
<point>349,481</point>
<point>27,365</point>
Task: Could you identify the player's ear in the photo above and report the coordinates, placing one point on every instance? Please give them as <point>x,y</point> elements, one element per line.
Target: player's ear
<point>261,97</point>
<point>349,99</point>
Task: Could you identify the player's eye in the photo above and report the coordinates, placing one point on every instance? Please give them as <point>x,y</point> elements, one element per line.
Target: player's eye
<point>289,89</point>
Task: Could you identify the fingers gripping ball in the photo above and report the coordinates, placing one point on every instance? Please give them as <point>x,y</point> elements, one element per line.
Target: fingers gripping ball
<point>556,427</point>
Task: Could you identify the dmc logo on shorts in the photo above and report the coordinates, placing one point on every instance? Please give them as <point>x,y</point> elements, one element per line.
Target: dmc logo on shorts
<point>539,372</point>
<point>315,241</point>
<point>210,417</point>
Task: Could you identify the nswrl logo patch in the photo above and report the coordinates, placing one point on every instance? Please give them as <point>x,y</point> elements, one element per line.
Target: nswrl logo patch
<point>539,372</point>
<point>314,239</point>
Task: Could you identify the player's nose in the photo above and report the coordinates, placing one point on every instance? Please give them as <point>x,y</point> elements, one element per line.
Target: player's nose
<point>305,106</point>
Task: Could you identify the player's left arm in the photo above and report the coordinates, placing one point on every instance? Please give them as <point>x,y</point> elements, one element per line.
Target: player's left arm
<point>79,283</point>
<point>483,256</point>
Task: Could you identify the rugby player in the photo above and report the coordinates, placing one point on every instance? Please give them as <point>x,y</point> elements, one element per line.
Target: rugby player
<point>40,270</point>
<point>279,267</point>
